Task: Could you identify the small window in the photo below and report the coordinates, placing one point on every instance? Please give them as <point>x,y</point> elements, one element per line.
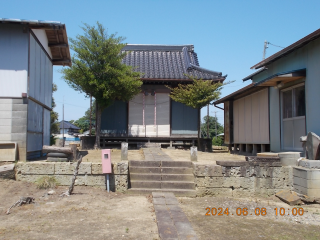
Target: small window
<point>299,98</point>
<point>287,104</point>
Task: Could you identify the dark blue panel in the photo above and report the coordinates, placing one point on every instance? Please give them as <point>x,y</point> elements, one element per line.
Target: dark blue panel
<point>184,119</point>
<point>114,119</point>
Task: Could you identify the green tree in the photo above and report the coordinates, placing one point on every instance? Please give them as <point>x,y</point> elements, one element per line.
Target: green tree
<point>97,70</point>
<point>197,94</point>
<point>212,127</point>
<point>54,124</point>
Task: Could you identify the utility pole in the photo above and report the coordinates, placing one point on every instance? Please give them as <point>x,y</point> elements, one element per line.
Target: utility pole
<point>215,116</point>
<point>265,49</point>
<point>208,134</point>
<point>63,122</point>
<point>90,114</point>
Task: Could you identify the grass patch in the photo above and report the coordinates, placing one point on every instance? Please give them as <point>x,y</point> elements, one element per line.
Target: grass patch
<point>46,182</point>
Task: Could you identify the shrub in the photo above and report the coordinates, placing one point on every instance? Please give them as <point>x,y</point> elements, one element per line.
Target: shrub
<point>46,182</point>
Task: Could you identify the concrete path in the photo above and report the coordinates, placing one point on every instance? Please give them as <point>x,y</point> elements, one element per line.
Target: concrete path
<point>172,222</point>
<point>155,154</point>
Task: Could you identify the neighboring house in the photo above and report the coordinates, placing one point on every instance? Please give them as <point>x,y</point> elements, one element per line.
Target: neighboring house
<point>29,49</point>
<point>69,128</point>
<point>282,102</point>
<point>152,115</point>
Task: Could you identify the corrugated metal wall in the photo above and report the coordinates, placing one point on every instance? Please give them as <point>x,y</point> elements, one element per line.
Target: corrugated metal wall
<point>114,119</point>
<point>40,75</point>
<point>184,119</point>
<point>35,127</point>
<point>13,60</point>
<point>251,119</point>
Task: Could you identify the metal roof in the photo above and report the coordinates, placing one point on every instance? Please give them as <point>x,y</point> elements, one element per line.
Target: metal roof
<point>56,34</point>
<point>289,49</point>
<point>235,94</point>
<point>167,62</point>
<point>254,74</point>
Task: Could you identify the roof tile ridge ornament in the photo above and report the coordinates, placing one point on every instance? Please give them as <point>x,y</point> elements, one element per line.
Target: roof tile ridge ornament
<point>190,66</point>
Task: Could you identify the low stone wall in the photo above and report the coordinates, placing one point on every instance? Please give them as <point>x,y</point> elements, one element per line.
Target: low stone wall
<point>90,174</point>
<point>242,179</point>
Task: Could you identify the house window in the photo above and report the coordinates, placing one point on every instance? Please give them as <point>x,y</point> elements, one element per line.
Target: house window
<point>293,117</point>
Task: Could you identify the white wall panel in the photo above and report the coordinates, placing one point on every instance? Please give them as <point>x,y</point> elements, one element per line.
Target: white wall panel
<point>242,131</point>
<point>264,116</point>
<point>136,127</point>
<point>248,118</point>
<point>163,115</point>
<point>42,37</point>
<point>236,121</point>
<point>255,117</point>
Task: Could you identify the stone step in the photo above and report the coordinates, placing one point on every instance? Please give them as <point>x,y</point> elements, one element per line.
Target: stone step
<point>177,177</point>
<point>162,184</point>
<point>161,177</point>
<point>176,164</point>
<point>145,184</point>
<point>176,170</point>
<point>177,185</point>
<point>144,170</point>
<point>176,192</point>
<point>145,177</point>
<point>144,163</point>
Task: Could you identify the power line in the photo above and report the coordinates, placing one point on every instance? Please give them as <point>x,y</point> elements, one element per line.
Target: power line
<point>71,104</point>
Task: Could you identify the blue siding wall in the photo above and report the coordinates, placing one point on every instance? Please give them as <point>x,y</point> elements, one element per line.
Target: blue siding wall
<point>184,119</point>
<point>114,119</point>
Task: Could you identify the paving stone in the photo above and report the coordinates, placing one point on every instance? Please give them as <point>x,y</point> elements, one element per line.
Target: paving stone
<point>184,229</point>
<point>159,201</point>
<point>167,231</point>
<point>171,201</point>
<point>289,197</point>
<point>157,194</point>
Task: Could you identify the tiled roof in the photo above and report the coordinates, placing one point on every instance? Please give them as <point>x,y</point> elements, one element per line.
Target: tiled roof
<point>67,125</point>
<point>167,62</point>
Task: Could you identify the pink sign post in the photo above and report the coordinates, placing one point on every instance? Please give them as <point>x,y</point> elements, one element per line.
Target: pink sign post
<point>106,165</point>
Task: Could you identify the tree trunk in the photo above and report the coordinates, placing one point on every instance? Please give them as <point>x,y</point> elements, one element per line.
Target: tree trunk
<point>76,170</point>
<point>98,126</point>
<point>90,115</point>
<point>55,149</point>
<point>199,130</point>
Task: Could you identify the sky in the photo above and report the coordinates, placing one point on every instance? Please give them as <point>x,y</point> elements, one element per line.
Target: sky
<point>227,35</point>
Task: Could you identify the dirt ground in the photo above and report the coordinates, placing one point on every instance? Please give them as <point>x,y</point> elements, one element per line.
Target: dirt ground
<point>270,226</point>
<point>176,155</point>
<point>90,213</point>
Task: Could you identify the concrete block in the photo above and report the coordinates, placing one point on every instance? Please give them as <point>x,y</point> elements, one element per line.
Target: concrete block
<point>19,129</point>
<point>289,158</point>
<point>121,183</point>
<point>27,178</point>
<point>19,107</point>
<point>282,172</point>
<point>5,107</point>
<point>6,122</point>
<point>247,182</point>
<point>17,101</point>
<point>307,183</point>
<point>230,182</point>
<point>307,191</point>
<point>124,151</point>
<point>264,183</point>
<point>310,164</point>
<point>306,173</point>
<point>96,168</point>
<point>18,136</point>
<point>6,114</point>
<point>121,167</point>
<point>214,171</point>
<point>214,182</point>
<point>6,101</point>
<point>96,180</point>
<point>5,137</point>
<point>39,168</point>
<point>200,182</point>
<point>68,168</point>
<point>19,114</point>
<point>242,193</point>
<point>194,154</point>
<point>19,121</point>
<point>65,180</point>
<point>200,170</point>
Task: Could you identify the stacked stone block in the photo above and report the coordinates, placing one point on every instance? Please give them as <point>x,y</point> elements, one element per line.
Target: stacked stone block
<point>307,181</point>
<point>241,179</point>
<point>90,174</point>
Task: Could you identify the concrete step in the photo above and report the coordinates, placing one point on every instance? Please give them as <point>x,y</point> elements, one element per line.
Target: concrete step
<point>177,177</point>
<point>176,192</point>
<point>145,177</point>
<point>176,170</point>
<point>145,184</point>
<point>177,185</point>
<point>144,170</point>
